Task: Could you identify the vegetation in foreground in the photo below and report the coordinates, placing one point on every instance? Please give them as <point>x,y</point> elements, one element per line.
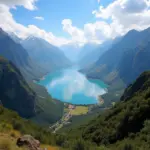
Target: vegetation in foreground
<point>126,126</point>
<point>29,101</point>
<point>11,120</point>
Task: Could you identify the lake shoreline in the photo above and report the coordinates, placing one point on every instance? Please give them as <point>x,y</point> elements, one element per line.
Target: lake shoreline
<point>79,97</point>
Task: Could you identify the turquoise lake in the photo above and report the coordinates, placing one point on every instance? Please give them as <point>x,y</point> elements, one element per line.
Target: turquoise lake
<point>71,86</point>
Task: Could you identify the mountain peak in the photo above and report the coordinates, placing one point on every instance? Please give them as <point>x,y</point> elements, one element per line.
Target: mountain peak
<point>131,32</point>
<point>31,37</point>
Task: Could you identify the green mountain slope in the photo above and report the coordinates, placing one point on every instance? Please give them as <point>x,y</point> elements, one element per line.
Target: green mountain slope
<point>108,65</point>
<point>134,62</point>
<point>15,92</point>
<point>17,95</point>
<point>127,122</point>
<point>18,55</point>
<point>44,106</point>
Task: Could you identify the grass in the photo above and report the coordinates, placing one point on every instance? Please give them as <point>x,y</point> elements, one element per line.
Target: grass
<point>9,136</point>
<point>79,110</point>
<point>50,147</point>
<point>8,143</point>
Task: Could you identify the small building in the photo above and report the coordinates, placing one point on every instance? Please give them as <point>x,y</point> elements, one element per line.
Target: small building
<point>71,107</point>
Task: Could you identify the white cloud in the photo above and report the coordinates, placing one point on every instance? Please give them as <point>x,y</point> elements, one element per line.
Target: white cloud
<point>98,1</point>
<point>28,4</point>
<point>39,18</point>
<point>117,18</point>
<point>8,24</point>
<point>125,15</point>
<point>97,32</point>
<point>76,34</point>
<point>91,32</point>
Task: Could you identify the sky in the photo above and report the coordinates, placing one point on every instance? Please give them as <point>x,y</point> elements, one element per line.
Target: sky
<point>62,22</point>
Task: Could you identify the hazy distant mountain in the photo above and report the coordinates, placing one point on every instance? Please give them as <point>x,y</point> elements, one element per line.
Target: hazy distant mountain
<point>15,38</point>
<point>91,52</point>
<point>86,49</point>
<point>18,55</point>
<point>48,56</point>
<point>107,65</point>
<point>71,51</point>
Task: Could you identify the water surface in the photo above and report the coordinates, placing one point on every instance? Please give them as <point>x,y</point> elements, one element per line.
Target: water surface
<point>69,85</point>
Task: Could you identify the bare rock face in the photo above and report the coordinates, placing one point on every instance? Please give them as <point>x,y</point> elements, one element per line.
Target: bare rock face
<point>29,142</point>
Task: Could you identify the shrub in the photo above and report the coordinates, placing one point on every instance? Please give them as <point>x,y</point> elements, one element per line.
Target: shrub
<point>5,127</point>
<point>82,145</point>
<point>60,140</point>
<point>128,147</point>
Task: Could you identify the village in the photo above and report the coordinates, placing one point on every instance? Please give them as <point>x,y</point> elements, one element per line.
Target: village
<point>71,110</point>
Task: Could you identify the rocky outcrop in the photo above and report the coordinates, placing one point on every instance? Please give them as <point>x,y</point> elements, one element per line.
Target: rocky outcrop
<point>29,142</point>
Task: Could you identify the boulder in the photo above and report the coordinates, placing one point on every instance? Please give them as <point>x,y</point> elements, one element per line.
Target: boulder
<point>29,142</point>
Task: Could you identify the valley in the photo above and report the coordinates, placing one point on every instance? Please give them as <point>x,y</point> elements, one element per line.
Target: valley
<point>75,75</point>
<point>70,86</point>
<point>80,102</point>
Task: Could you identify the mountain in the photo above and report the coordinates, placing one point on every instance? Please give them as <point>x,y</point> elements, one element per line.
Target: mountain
<point>15,38</point>
<point>71,51</point>
<point>86,49</point>
<point>29,101</point>
<point>134,62</point>
<point>125,126</point>
<point>15,93</point>
<point>18,55</point>
<point>45,54</point>
<point>128,116</point>
<point>107,65</point>
<point>91,53</point>
<point>45,106</point>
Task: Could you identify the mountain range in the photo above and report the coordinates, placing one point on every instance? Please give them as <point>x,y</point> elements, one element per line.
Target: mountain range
<point>90,53</point>
<point>122,125</point>
<point>46,55</point>
<point>43,106</point>
<point>123,56</point>
<point>18,55</point>
<point>71,51</point>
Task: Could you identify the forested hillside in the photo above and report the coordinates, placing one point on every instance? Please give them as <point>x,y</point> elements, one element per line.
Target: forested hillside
<point>126,125</point>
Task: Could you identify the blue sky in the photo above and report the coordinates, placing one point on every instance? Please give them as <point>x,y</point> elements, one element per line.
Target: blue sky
<point>54,11</point>
<point>74,22</point>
